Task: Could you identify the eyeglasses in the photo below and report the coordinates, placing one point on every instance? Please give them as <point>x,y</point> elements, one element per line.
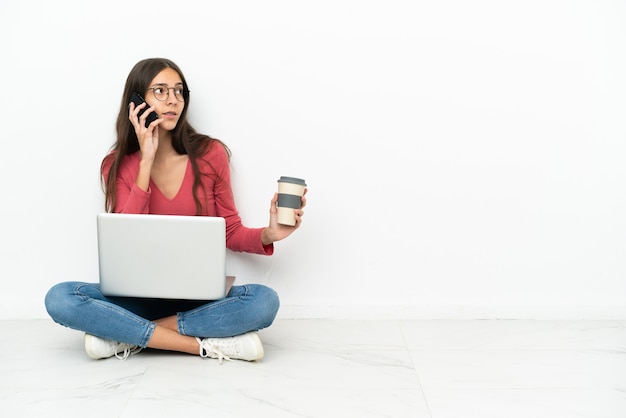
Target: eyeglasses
<point>162,92</point>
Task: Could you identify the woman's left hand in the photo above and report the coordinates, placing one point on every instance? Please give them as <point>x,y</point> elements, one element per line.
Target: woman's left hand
<point>275,231</point>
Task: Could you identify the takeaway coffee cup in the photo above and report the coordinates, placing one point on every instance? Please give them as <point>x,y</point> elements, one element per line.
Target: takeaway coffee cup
<point>290,191</point>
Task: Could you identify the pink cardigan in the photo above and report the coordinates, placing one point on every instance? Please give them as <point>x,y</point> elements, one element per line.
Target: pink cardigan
<point>219,198</point>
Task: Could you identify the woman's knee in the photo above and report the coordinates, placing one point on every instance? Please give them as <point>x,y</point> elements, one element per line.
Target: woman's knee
<point>267,303</point>
<point>52,300</point>
<point>59,301</point>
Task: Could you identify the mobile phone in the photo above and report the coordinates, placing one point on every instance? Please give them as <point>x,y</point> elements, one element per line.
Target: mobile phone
<point>137,99</point>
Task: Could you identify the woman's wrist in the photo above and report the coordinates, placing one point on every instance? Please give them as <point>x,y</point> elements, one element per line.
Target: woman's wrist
<point>143,176</point>
<point>266,239</point>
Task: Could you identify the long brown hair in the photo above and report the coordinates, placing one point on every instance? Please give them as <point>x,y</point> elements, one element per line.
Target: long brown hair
<point>185,139</point>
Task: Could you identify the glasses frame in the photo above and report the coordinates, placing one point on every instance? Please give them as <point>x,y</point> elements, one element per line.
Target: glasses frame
<point>168,88</point>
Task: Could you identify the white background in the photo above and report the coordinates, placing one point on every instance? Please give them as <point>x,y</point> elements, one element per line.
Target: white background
<point>464,159</point>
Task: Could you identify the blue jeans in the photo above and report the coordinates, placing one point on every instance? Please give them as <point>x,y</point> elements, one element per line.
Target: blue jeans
<point>83,307</point>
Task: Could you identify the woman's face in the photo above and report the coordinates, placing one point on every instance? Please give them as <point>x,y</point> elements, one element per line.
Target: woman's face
<point>166,94</point>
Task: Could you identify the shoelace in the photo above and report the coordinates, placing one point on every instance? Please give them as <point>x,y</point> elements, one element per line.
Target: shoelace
<point>128,351</point>
<point>206,349</point>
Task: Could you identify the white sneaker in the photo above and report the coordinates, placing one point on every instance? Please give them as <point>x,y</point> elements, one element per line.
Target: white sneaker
<point>98,348</point>
<point>240,347</point>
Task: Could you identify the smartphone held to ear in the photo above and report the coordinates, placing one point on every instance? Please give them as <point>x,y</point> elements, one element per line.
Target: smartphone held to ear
<point>137,99</point>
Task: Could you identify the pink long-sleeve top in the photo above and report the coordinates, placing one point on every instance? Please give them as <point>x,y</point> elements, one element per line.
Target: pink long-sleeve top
<point>219,198</point>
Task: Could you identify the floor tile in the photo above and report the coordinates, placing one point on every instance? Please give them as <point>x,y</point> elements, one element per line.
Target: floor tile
<point>526,403</point>
<point>334,335</point>
<point>276,402</point>
<point>514,334</point>
<point>332,368</point>
<point>520,369</point>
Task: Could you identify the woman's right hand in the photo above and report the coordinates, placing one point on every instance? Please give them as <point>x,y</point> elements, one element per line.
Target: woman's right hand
<point>148,137</point>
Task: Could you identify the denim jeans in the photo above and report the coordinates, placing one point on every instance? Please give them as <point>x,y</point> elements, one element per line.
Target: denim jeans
<point>83,307</point>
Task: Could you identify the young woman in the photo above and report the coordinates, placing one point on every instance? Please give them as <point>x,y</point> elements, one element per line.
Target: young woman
<point>168,168</point>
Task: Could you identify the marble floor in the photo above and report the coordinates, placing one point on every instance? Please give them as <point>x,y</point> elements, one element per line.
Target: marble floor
<point>332,368</point>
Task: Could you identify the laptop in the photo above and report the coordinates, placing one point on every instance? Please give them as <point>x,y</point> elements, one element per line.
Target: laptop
<point>162,256</point>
